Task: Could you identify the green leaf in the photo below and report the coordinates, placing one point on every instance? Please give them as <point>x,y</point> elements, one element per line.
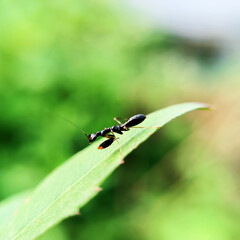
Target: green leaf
<point>75,182</point>
<point>10,206</point>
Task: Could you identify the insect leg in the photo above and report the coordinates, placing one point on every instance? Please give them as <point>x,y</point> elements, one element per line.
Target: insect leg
<point>120,149</point>
<point>117,120</point>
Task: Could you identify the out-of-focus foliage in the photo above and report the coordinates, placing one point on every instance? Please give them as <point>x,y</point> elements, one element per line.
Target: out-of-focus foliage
<point>90,61</point>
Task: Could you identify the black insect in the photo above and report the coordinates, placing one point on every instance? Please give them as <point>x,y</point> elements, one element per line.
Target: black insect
<point>109,132</point>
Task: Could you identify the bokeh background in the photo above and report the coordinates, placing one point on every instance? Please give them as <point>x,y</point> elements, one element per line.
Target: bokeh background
<point>92,60</point>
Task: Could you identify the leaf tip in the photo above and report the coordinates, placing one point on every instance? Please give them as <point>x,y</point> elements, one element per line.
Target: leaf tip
<point>206,106</point>
<point>210,107</point>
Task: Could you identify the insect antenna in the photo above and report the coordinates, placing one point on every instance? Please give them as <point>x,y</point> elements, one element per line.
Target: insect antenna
<point>74,124</point>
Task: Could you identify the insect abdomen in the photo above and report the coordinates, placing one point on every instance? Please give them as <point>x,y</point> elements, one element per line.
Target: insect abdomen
<point>135,120</point>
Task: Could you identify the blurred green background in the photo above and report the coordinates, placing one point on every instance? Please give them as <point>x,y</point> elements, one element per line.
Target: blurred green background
<point>92,60</point>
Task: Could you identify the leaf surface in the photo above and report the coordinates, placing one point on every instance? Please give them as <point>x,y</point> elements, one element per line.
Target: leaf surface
<point>75,182</point>
<point>10,206</point>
